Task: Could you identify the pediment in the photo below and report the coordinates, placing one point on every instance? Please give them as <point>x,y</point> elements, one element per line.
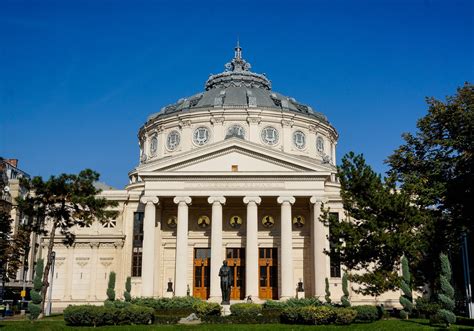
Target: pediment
<point>234,155</point>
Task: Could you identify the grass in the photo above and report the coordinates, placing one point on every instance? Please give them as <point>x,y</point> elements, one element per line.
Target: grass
<point>54,323</point>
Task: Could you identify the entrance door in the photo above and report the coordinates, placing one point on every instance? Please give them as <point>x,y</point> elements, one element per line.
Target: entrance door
<point>268,273</point>
<point>236,261</point>
<point>202,262</point>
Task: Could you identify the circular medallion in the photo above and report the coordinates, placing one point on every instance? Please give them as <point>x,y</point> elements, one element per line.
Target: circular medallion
<point>298,221</point>
<point>203,221</point>
<point>172,221</point>
<point>173,140</point>
<point>235,131</point>
<point>268,221</point>
<point>201,136</point>
<point>153,145</point>
<point>299,139</point>
<point>320,144</point>
<point>235,221</point>
<point>270,135</point>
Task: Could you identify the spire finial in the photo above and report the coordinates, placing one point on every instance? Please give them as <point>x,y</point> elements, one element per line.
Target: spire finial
<point>238,50</point>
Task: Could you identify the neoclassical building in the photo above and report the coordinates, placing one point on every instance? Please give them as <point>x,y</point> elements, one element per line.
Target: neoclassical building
<point>237,172</point>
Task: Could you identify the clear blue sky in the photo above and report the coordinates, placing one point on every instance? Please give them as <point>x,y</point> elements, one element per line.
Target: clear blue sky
<point>78,78</point>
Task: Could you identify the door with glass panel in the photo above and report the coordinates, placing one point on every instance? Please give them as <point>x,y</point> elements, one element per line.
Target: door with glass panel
<point>201,274</point>
<point>268,273</point>
<point>236,261</point>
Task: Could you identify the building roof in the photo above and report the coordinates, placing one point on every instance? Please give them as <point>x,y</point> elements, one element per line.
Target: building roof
<point>238,87</point>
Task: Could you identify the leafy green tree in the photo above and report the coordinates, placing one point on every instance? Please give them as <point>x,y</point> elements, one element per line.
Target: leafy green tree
<point>327,297</point>
<point>5,240</point>
<point>128,288</point>
<point>446,293</point>
<point>345,290</point>
<point>406,299</point>
<point>380,227</point>
<point>111,287</point>
<point>36,298</point>
<point>58,204</point>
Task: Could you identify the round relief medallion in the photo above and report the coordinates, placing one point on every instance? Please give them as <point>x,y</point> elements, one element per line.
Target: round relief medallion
<point>268,221</point>
<point>203,221</point>
<point>270,135</point>
<point>235,131</point>
<point>173,140</point>
<point>320,144</point>
<point>235,221</point>
<point>172,221</point>
<point>153,145</point>
<point>298,221</point>
<point>299,139</point>
<point>201,136</point>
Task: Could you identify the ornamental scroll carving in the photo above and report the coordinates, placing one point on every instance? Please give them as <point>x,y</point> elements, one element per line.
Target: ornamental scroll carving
<point>82,261</point>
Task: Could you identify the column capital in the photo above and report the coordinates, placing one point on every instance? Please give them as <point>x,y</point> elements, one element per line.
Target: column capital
<point>149,199</point>
<point>216,199</point>
<point>255,199</point>
<point>318,199</point>
<point>186,200</point>
<point>288,199</point>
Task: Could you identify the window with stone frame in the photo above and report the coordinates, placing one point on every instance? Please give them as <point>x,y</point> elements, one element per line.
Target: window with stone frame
<point>137,244</point>
<point>335,264</point>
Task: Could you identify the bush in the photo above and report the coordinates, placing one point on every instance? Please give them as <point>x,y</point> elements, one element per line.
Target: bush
<point>162,304</point>
<point>290,315</point>
<point>88,315</point>
<point>204,308</point>
<point>345,316</point>
<point>426,307</point>
<point>84,315</point>
<point>244,319</point>
<point>293,302</point>
<point>272,304</point>
<point>460,320</point>
<point>245,309</point>
<point>366,313</point>
<point>317,315</point>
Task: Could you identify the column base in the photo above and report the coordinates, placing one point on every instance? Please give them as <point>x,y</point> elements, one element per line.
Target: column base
<point>225,310</point>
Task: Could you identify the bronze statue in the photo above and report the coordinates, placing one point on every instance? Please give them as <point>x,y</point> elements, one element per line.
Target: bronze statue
<point>225,273</point>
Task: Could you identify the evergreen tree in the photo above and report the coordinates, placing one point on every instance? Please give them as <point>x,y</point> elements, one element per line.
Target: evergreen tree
<point>111,287</point>
<point>36,298</point>
<point>327,297</point>
<point>62,202</point>
<point>406,299</point>
<point>446,293</point>
<point>345,298</point>
<point>128,288</point>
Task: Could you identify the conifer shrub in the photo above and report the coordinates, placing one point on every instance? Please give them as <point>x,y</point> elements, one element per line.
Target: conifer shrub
<point>406,299</point>
<point>345,298</point>
<point>35,305</point>
<point>111,287</point>
<point>327,297</point>
<point>128,288</point>
<point>446,295</point>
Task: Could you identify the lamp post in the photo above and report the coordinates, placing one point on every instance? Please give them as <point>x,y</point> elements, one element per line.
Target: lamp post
<point>51,277</point>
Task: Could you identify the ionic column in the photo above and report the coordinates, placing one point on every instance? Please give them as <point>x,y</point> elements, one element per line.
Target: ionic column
<point>320,244</point>
<point>148,254</point>
<point>181,269</point>
<point>251,247</point>
<point>216,246</point>
<point>286,237</point>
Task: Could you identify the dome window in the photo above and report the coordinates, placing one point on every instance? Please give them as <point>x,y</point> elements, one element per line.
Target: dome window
<point>270,135</point>
<point>173,140</point>
<point>320,144</point>
<point>153,145</point>
<point>299,139</point>
<point>201,136</point>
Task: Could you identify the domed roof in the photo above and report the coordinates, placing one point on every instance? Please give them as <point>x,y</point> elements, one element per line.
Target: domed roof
<point>238,87</point>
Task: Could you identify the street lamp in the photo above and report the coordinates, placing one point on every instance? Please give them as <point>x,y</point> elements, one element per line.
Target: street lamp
<point>51,277</point>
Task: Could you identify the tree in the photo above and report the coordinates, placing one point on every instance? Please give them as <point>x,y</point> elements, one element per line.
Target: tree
<point>36,298</point>
<point>58,204</point>
<point>111,287</point>
<point>128,288</point>
<point>327,297</point>
<point>406,299</point>
<point>345,290</point>
<point>380,227</point>
<point>446,293</point>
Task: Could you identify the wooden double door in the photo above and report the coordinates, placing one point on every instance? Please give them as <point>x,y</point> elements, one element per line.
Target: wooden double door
<point>268,273</point>
<point>235,258</point>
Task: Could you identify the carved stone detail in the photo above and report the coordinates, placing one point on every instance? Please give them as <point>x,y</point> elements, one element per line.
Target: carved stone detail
<point>287,123</point>
<point>254,120</point>
<point>184,124</point>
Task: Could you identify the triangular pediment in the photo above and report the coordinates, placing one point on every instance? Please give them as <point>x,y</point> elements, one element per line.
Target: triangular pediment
<point>234,155</point>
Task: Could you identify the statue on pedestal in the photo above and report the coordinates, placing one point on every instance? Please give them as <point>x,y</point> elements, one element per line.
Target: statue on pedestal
<point>225,273</point>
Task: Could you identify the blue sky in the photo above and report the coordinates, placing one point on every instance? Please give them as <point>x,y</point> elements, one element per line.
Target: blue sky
<point>78,78</point>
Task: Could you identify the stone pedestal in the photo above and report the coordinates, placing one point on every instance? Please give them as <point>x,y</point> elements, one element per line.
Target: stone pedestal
<point>225,310</point>
<point>300,295</point>
<point>168,295</point>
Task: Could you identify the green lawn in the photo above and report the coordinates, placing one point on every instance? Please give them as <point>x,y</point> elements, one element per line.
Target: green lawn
<point>56,323</point>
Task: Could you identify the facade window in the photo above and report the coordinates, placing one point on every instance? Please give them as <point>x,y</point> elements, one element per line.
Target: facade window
<point>173,140</point>
<point>201,136</point>
<point>270,135</point>
<point>299,139</point>
<point>335,267</point>
<point>137,244</point>
<point>153,145</point>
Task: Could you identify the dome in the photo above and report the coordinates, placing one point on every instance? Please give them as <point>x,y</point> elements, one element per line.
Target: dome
<point>238,87</point>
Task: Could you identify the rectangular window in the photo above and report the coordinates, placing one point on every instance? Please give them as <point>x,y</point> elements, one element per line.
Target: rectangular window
<point>335,269</point>
<point>137,244</point>
<point>235,168</point>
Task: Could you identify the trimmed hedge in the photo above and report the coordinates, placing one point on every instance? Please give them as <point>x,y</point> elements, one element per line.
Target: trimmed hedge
<point>204,308</point>
<point>366,313</point>
<point>345,316</point>
<point>245,309</point>
<point>317,315</point>
<point>88,315</point>
<point>167,303</point>
<point>243,319</point>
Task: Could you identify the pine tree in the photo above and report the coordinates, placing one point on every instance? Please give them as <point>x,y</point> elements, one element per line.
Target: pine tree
<point>111,287</point>
<point>345,298</point>
<point>36,298</point>
<point>327,297</point>
<point>446,294</point>
<point>406,299</point>
<point>128,288</point>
